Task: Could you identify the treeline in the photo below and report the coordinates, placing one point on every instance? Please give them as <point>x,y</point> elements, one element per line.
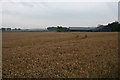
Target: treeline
<point>58,29</point>
<point>111,27</point>
<point>115,26</point>
<point>9,29</point>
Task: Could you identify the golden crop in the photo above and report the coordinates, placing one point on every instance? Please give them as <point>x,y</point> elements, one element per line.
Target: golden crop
<point>60,54</point>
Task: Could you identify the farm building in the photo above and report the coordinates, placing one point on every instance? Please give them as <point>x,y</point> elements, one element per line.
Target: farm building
<point>81,29</point>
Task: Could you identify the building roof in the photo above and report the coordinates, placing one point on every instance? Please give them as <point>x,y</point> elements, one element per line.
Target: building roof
<point>79,28</point>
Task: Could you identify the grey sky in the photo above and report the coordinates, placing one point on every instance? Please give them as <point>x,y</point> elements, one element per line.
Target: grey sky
<point>71,14</point>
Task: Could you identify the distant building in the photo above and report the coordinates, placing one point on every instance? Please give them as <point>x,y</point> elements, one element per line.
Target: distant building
<point>80,29</point>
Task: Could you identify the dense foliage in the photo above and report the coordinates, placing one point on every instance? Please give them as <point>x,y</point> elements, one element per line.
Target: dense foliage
<point>58,29</point>
<point>111,27</point>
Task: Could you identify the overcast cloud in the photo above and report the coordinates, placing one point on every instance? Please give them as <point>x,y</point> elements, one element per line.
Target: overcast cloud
<point>44,14</point>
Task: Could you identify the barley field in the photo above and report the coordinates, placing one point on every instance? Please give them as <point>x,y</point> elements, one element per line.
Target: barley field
<point>60,54</point>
